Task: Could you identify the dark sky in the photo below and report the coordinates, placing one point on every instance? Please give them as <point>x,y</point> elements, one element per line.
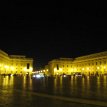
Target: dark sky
<point>52,32</point>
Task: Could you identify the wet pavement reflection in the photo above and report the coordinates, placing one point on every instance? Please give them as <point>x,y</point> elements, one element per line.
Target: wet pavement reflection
<point>16,91</point>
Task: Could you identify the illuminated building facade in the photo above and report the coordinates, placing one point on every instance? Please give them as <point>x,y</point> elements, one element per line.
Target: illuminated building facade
<point>93,64</point>
<point>60,66</point>
<point>15,64</point>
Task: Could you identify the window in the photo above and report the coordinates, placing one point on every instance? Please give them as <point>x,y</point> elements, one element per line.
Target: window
<point>96,63</point>
<point>57,67</point>
<point>28,65</point>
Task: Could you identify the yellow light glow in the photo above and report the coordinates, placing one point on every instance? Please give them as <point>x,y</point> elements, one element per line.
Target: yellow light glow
<point>55,69</point>
<point>25,69</point>
<point>12,68</point>
<point>31,69</point>
<point>6,66</point>
<point>87,68</point>
<point>57,73</point>
<point>97,67</point>
<point>60,69</point>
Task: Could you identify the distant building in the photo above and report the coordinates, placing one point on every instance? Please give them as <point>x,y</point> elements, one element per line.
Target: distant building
<point>60,66</point>
<point>15,64</point>
<point>93,64</point>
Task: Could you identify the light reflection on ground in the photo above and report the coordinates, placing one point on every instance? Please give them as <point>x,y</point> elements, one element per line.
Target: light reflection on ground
<point>13,90</point>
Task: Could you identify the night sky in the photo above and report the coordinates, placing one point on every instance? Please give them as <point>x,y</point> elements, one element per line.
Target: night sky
<point>52,32</point>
